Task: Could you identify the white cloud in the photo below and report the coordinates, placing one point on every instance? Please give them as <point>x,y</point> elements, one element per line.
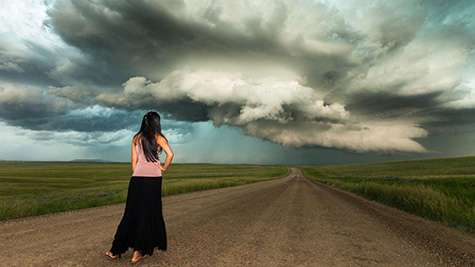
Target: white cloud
<point>423,66</point>
<point>258,98</point>
<point>382,136</point>
<point>467,98</point>
<point>280,110</point>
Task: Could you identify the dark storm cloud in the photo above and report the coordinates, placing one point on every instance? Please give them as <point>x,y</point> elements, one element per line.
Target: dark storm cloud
<point>31,61</point>
<point>17,103</point>
<point>49,64</point>
<point>78,121</point>
<point>389,105</point>
<point>31,109</point>
<point>153,38</point>
<point>445,120</point>
<point>132,37</point>
<point>119,130</point>
<point>347,65</point>
<point>294,72</point>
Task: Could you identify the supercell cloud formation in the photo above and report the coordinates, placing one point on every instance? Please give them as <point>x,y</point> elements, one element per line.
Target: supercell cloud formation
<point>351,75</point>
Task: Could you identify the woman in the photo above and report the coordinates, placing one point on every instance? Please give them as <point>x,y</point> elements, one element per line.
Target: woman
<point>142,226</point>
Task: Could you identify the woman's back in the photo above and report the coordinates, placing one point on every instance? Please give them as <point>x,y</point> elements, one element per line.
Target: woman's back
<point>144,167</point>
<point>142,226</point>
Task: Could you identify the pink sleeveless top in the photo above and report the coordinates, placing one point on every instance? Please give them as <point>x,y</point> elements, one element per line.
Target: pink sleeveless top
<point>144,167</point>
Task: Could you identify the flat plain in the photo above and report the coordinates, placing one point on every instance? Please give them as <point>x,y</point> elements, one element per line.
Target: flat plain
<point>438,189</point>
<point>35,188</point>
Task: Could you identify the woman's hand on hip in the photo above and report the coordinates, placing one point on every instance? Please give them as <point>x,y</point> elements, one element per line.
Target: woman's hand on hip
<point>163,169</point>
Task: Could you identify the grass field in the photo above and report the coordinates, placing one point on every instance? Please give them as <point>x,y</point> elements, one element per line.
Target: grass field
<point>34,188</point>
<point>437,189</point>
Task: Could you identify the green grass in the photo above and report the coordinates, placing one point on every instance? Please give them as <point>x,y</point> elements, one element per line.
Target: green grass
<point>438,189</point>
<point>35,188</point>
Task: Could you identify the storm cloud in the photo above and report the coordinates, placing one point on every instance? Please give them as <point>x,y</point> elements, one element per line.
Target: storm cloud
<point>352,75</point>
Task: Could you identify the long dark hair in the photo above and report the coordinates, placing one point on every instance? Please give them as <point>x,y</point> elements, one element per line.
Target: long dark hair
<point>149,129</point>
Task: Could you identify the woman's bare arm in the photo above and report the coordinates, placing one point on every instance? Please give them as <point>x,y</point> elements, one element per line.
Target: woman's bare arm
<point>166,147</point>
<point>133,156</point>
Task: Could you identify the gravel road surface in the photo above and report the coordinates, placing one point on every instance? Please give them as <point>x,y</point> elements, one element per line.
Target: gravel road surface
<point>288,221</point>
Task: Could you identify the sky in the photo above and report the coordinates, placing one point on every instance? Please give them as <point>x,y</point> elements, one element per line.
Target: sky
<point>270,81</point>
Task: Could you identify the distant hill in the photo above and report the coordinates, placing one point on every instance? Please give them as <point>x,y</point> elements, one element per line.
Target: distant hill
<point>90,160</point>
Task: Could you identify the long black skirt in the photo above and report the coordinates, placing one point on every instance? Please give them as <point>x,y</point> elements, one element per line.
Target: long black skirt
<point>142,226</point>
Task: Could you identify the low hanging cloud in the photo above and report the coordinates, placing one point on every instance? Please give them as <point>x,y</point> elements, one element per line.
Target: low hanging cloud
<point>279,110</point>
<point>29,102</point>
<point>386,136</point>
<point>298,73</point>
<point>52,116</point>
<point>268,98</point>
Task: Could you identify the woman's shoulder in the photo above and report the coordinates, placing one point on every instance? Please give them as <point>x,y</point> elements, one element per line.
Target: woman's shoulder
<point>136,139</point>
<point>160,139</point>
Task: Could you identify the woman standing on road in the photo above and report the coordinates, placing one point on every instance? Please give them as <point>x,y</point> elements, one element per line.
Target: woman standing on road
<point>142,226</point>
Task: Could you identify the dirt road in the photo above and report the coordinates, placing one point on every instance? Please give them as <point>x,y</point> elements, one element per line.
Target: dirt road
<point>284,222</point>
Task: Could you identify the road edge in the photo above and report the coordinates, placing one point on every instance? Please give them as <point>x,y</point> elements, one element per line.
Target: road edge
<point>448,244</point>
